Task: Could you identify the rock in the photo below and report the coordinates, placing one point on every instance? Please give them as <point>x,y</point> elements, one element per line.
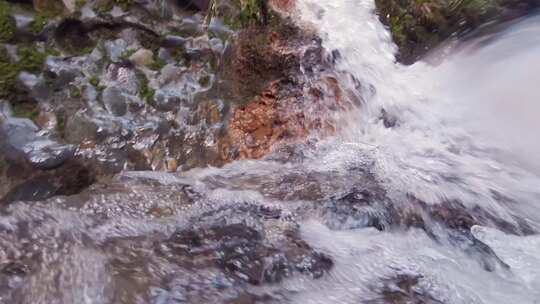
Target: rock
<point>172,165</point>
<point>36,86</point>
<point>418,27</point>
<point>115,49</point>
<point>201,5</point>
<point>124,78</point>
<point>164,101</point>
<point>245,254</point>
<point>80,127</point>
<point>403,288</point>
<point>142,57</point>
<point>41,152</point>
<point>115,101</point>
<point>54,7</point>
<point>360,208</point>
<point>23,20</point>
<point>165,56</point>
<point>60,72</point>
<point>69,179</point>
<point>171,41</point>
<point>70,5</point>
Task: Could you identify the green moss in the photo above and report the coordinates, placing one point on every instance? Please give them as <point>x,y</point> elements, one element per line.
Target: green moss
<point>8,73</point>
<point>39,22</point>
<point>124,4</point>
<point>75,92</point>
<point>204,81</point>
<point>146,93</point>
<point>7,22</point>
<point>24,111</point>
<point>249,11</point>
<point>105,6</point>
<point>179,55</point>
<point>30,59</point>
<point>157,63</point>
<point>79,4</point>
<point>127,53</point>
<point>94,81</point>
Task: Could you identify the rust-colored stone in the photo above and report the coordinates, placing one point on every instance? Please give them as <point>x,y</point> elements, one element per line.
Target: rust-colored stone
<point>282,6</point>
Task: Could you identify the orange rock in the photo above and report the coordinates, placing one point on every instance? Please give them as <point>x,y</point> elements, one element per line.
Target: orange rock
<point>172,165</point>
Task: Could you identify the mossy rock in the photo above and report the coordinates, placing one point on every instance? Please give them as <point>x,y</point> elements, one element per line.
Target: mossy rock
<point>8,73</point>
<point>239,14</point>
<point>30,60</point>
<point>49,7</point>
<point>102,7</point>
<point>8,25</point>
<point>420,25</point>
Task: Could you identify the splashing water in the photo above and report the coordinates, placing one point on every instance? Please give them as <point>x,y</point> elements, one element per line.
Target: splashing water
<point>429,195</point>
<point>463,130</point>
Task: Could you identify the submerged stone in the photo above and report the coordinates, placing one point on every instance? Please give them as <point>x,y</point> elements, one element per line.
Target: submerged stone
<point>115,101</point>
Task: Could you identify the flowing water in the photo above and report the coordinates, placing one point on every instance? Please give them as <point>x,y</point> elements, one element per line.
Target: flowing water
<point>429,193</point>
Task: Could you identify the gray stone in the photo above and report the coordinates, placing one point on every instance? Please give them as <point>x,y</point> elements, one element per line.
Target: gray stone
<point>43,153</point>
<point>165,55</point>
<point>23,20</point>
<point>60,71</point>
<point>174,41</point>
<point>142,57</point>
<point>34,85</point>
<point>115,49</point>
<point>190,27</point>
<point>115,102</point>
<point>122,77</point>
<point>166,102</point>
<point>80,127</point>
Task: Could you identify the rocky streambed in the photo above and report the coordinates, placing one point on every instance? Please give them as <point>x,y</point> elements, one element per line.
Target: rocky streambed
<point>249,151</point>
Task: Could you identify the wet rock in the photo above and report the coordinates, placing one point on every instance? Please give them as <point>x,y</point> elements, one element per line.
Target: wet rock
<point>68,179</point>
<point>403,289</point>
<point>201,5</point>
<point>172,165</point>
<point>389,120</point>
<point>60,72</point>
<point>49,6</point>
<point>115,102</point>
<point>360,208</point>
<point>125,78</point>
<point>190,27</point>
<point>115,49</point>
<point>419,27</point>
<point>34,168</point>
<point>165,56</point>
<point>35,85</point>
<point>40,152</point>
<point>71,35</point>
<point>171,41</point>
<point>242,252</point>
<point>142,57</point>
<point>164,101</point>
<point>80,127</point>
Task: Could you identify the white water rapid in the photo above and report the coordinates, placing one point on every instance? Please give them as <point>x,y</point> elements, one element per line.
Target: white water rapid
<point>466,129</point>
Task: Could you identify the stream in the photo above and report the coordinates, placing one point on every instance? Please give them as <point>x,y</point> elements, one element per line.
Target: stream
<point>428,193</point>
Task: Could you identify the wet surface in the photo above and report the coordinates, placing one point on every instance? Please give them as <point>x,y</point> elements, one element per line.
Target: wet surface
<point>394,204</point>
